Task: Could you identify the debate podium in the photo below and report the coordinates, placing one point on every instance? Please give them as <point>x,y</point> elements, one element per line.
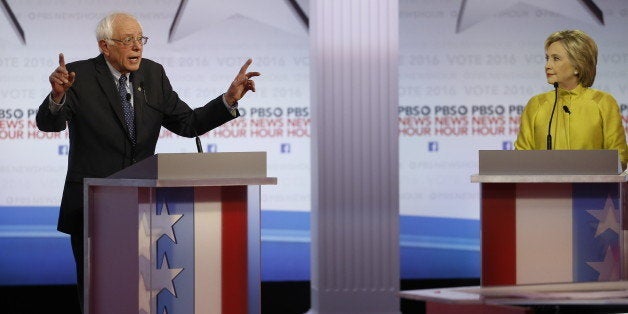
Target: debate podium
<point>553,234</point>
<point>175,233</point>
<point>551,216</point>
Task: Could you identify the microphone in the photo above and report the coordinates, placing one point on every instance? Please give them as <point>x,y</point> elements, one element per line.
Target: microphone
<point>566,109</point>
<point>128,96</point>
<point>199,146</point>
<point>549,128</point>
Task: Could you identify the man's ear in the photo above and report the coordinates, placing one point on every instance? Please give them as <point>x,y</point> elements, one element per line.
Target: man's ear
<point>104,48</point>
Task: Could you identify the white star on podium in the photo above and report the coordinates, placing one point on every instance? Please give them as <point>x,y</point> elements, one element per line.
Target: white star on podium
<point>146,296</point>
<point>163,277</point>
<point>476,11</point>
<point>608,269</point>
<point>144,222</point>
<point>196,14</point>
<point>607,217</point>
<point>144,245</point>
<point>163,224</point>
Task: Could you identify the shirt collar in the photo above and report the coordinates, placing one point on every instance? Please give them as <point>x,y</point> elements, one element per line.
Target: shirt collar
<point>116,74</point>
<point>579,90</point>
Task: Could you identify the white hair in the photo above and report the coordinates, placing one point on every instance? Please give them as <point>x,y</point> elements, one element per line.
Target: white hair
<point>104,29</point>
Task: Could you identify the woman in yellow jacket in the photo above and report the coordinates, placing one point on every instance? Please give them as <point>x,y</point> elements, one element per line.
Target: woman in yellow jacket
<point>584,118</point>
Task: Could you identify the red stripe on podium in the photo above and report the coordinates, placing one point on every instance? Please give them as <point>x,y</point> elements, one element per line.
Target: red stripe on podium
<point>234,250</point>
<point>499,259</point>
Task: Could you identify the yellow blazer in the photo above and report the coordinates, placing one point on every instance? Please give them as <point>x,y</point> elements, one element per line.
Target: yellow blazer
<point>594,121</point>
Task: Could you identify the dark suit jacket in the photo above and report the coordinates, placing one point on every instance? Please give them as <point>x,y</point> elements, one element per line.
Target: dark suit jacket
<point>99,140</point>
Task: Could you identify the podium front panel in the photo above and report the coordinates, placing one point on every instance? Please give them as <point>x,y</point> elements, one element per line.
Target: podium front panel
<point>550,233</point>
<point>173,249</point>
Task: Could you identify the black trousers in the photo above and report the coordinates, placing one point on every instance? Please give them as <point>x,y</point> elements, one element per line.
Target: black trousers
<point>77,249</point>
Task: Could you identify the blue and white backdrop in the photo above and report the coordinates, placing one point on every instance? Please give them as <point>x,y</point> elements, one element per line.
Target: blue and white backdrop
<point>467,68</point>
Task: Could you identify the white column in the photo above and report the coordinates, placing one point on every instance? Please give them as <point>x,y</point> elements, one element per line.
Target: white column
<point>355,163</point>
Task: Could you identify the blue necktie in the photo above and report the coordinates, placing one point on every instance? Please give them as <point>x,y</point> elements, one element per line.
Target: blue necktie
<point>129,115</point>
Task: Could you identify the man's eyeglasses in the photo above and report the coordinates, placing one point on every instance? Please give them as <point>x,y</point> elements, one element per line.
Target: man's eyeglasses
<point>130,40</point>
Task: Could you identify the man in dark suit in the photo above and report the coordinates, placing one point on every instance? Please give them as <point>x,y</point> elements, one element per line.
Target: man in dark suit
<point>114,106</point>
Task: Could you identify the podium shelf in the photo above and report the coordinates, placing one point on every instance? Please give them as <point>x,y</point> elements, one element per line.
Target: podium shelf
<point>548,178</point>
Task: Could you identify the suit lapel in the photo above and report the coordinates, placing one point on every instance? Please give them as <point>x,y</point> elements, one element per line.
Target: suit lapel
<point>106,81</point>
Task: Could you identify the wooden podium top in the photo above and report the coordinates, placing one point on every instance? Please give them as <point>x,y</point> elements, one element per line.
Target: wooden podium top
<point>192,169</point>
<point>478,178</point>
<point>548,166</point>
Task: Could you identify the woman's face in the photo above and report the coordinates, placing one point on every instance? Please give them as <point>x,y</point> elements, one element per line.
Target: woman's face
<point>558,67</point>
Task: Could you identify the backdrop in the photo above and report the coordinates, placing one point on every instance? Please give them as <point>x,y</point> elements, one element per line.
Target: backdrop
<point>466,68</point>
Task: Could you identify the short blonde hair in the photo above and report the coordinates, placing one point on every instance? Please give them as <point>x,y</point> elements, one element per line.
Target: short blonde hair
<point>581,50</point>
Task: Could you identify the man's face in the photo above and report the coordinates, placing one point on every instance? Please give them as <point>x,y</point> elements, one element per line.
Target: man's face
<point>124,58</point>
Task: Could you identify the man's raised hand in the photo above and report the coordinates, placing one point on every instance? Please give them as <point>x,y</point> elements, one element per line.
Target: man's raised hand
<point>241,84</point>
<point>60,80</point>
